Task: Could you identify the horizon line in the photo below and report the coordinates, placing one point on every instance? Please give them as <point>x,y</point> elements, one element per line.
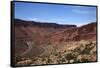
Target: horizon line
<point>55,22</point>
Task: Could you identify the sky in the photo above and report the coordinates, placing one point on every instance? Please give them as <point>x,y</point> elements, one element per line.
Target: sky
<point>54,13</point>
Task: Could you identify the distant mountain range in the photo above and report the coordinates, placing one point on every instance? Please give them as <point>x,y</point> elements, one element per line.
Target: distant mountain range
<point>41,24</point>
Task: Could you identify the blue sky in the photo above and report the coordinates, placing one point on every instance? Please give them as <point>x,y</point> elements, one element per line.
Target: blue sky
<point>61,14</point>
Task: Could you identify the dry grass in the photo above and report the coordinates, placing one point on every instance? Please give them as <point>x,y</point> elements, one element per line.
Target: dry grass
<point>70,53</point>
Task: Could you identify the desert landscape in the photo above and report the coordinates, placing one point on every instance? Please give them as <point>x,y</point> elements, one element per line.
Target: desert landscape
<point>40,43</point>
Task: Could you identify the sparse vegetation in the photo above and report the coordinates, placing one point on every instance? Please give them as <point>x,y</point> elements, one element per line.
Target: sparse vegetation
<point>81,53</point>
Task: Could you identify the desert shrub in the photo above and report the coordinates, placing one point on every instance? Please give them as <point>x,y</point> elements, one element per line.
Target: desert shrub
<point>43,59</point>
<point>59,61</point>
<point>48,60</point>
<point>70,56</point>
<point>87,48</point>
<point>84,58</point>
<point>56,54</point>
<point>64,51</point>
<point>78,49</point>
<point>94,52</point>
<point>59,55</point>
<point>34,59</point>
<point>63,60</point>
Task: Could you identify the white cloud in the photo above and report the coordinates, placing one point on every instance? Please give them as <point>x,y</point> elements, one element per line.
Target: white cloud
<point>33,19</point>
<point>81,11</point>
<point>77,6</point>
<point>36,19</point>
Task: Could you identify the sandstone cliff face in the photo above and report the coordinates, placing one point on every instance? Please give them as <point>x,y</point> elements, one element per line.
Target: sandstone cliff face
<point>85,32</point>
<point>88,32</point>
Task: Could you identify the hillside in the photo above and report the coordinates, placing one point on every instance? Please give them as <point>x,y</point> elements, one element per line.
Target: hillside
<point>34,39</point>
<point>52,32</point>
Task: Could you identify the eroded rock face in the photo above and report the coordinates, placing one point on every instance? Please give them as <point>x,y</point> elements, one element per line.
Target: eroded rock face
<point>86,32</point>
<point>51,34</point>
